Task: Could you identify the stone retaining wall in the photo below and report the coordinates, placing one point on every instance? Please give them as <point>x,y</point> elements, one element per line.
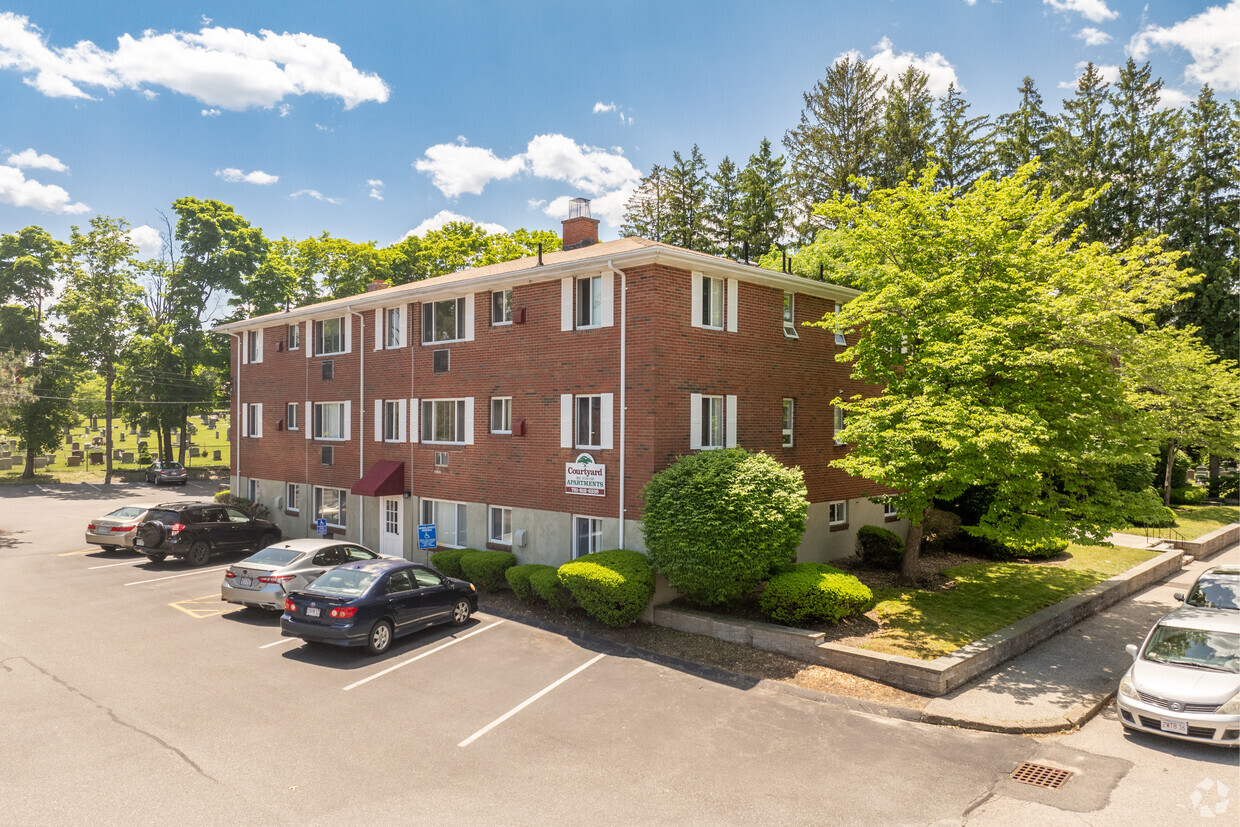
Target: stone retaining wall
<point>1206,545</point>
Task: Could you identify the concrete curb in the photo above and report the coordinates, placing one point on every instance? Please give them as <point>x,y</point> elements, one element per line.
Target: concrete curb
<point>1077,717</point>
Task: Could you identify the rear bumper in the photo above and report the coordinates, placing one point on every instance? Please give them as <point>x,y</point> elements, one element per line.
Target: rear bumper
<point>270,596</point>
<point>124,540</point>
<point>338,634</point>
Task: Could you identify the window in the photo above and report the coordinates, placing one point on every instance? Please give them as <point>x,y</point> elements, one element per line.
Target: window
<point>838,514</point>
<point>391,516</point>
<point>788,406</point>
<point>587,535</point>
<point>449,521</point>
<point>711,431</point>
<point>290,416</point>
<point>839,331</point>
<point>329,336</point>
<point>501,307</point>
<point>331,420</point>
<point>712,421</point>
<point>294,337</point>
<point>501,414</point>
<point>839,423</point>
<point>589,301</point>
<point>589,432</point>
<point>790,325</point>
<point>251,491</point>
<point>500,530</point>
<point>393,421</point>
<point>253,416</point>
<point>254,345</point>
<point>397,582</point>
<point>712,302</point>
<point>889,512</point>
<point>443,321</point>
<point>394,327</point>
<point>443,420</point>
<point>329,504</point>
<point>292,497</point>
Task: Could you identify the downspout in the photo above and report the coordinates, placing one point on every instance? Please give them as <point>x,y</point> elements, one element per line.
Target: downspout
<point>236,454</point>
<point>624,381</point>
<point>413,415</point>
<point>361,417</point>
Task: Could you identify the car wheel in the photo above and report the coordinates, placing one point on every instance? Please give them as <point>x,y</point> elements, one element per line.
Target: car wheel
<point>157,558</point>
<point>380,638</point>
<point>199,553</point>
<point>156,481</point>
<point>266,540</point>
<point>460,612</point>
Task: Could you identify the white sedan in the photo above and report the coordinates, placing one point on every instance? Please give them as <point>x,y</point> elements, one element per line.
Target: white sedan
<point>261,580</point>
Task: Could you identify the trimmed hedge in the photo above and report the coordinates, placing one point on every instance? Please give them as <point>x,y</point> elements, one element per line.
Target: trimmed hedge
<point>256,510</point>
<point>879,547</point>
<point>1039,548</point>
<point>546,584</point>
<point>812,592</point>
<point>448,561</point>
<point>614,586</point>
<point>518,578</point>
<point>1188,495</point>
<point>485,569</point>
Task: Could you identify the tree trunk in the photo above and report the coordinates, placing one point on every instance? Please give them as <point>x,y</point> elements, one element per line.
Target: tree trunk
<point>159,436</point>
<point>28,471</point>
<point>912,550</point>
<point>1167,476</point>
<point>107,415</point>
<point>184,432</point>
<point>1215,462</point>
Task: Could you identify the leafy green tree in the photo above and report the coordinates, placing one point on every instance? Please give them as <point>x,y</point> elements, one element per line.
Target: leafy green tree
<point>645,213</point>
<point>763,201</point>
<point>723,210</point>
<point>101,305</point>
<point>991,333</point>
<point>962,149</point>
<point>686,202</point>
<point>520,243</point>
<point>906,141</point>
<point>836,138</point>
<point>1023,135</point>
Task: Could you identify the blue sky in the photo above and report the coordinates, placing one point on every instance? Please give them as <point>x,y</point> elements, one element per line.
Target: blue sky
<point>372,119</point>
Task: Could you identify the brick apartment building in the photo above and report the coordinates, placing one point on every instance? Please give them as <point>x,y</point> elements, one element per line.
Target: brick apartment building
<point>468,400</point>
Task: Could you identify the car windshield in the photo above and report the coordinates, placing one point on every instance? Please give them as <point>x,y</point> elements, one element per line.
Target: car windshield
<point>342,583</point>
<point>126,513</point>
<point>1215,593</point>
<point>1198,648</point>
<point>273,557</point>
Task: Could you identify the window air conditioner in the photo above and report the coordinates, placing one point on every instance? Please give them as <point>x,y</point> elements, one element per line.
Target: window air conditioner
<point>329,370</point>
<point>441,360</point>
<point>441,459</point>
<point>329,455</point>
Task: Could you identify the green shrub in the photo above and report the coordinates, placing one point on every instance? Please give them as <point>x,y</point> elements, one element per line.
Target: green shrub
<point>448,561</point>
<point>812,592</point>
<point>1188,495</point>
<point>1037,548</point>
<point>256,510</point>
<point>1145,510</point>
<point>1136,475</point>
<point>1228,487</point>
<point>614,587</point>
<point>546,584</point>
<point>717,522</point>
<point>518,578</point>
<point>485,569</point>
<point>879,547</point>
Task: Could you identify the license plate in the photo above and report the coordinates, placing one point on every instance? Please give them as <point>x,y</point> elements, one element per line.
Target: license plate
<point>138,543</point>
<point>1178,727</point>
<point>314,611</point>
<point>245,581</point>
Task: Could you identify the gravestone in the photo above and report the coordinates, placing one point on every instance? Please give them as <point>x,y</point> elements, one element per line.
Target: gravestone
<point>116,453</point>
<point>96,458</point>
<point>73,462</point>
<point>193,451</point>
<point>40,462</point>
<point>122,436</point>
<point>127,456</point>
<point>6,463</point>
<point>215,455</point>
<point>77,446</point>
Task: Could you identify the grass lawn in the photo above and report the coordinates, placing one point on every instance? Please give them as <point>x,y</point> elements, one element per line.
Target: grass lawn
<point>59,471</point>
<point>986,597</point>
<point>1193,521</point>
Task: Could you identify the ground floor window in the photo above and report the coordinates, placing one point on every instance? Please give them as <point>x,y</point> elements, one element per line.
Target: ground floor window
<point>292,497</point>
<point>587,535</point>
<point>501,525</point>
<point>329,504</point>
<point>838,513</point>
<point>889,511</point>
<point>449,521</point>
<point>251,491</point>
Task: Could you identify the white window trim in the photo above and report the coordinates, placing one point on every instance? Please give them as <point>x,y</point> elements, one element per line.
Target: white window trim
<point>790,325</point>
<point>568,302</point>
<point>841,508</point>
<point>457,508</point>
<point>346,336</point>
<point>508,321</point>
<point>464,324</point>
<point>840,339</point>
<point>568,421</point>
<point>495,399</point>
<point>491,509</point>
<point>731,307</point>
<point>837,423</point>
<point>256,431</point>
<point>890,510</point>
<point>292,497</point>
<point>787,429</point>
<point>342,493</point>
<point>346,423</point>
<point>381,419</point>
<point>728,406</point>
<point>254,355</point>
<point>469,421</point>
<point>572,539</point>
<point>296,409</point>
<point>289,336</point>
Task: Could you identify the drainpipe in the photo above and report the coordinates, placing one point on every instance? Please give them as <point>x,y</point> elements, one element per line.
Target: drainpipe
<point>624,288</point>
<point>237,419</point>
<point>361,417</point>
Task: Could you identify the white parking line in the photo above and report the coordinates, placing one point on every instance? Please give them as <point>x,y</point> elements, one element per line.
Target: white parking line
<point>114,565</point>
<point>281,640</point>
<point>528,701</point>
<point>424,654</point>
<point>172,576</point>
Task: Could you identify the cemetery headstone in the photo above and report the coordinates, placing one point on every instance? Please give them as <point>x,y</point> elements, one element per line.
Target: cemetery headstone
<point>127,456</point>
<point>73,462</point>
<point>215,455</point>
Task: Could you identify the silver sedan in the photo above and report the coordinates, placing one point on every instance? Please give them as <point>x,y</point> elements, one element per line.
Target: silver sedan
<point>116,529</point>
<point>261,580</point>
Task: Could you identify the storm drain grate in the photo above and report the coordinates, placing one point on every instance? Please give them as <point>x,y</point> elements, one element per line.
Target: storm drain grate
<point>1041,776</point>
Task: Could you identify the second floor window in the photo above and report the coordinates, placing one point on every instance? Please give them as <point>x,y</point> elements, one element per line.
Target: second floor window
<point>394,327</point>
<point>254,345</point>
<point>838,423</point>
<point>790,326</point>
<point>443,321</point>
<point>330,420</point>
<point>393,420</point>
<point>589,301</point>
<point>712,422</point>
<point>329,336</point>
<point>294,337</point>
<point>501,414</point>
<point>501,307</point>
<point>788,406</point>
<point>290,416</point>
<point>589,421</point>
<point>712,302</point>
<point>443,420</point>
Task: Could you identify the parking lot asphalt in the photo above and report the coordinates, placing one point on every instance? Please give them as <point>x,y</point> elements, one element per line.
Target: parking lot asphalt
<point>132,694</point>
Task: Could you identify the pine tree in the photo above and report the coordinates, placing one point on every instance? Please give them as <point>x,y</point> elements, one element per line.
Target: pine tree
<point>723,211</point>
<point>1080,146</point>
<point>763,201</point>
<point>645,213</point>
<point>835,139</point>
<point>686,202</point>
<point>1023,135</point>
<point>906,142</point>
<point>963,147</point>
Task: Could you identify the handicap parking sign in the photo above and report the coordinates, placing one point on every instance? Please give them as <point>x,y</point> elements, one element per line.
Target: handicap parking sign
<point>321,525</point>
<point>426,536</point>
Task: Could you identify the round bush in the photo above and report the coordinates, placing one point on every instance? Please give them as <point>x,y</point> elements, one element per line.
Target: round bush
<point>546,584</point>
<point>614,587</point>
<point>1188,495</point>
<point>1039,548</point>
<point>485,569</point>
<point>812,592</point>
<point>518,578</point>
<point>879,547</point>
<point>1147,511</point>
<point>717,522</point>
<point>448,561</point>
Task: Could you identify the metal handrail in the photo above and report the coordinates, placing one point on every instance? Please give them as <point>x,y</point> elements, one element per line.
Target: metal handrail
<point>1159,534</point>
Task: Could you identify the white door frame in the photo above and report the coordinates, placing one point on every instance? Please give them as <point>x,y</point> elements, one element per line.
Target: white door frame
<point>392,543</point>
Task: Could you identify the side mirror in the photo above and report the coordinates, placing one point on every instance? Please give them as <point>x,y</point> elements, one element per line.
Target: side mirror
<point>1179,596</point>
<point>1131,649</point>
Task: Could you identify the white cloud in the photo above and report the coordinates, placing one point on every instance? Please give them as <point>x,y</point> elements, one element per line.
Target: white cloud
<point>211,113</point>
<point>20,191</point>
<point>147,239</point>
<point>941,74</point>
<point>1212,38</point>
<point>456,168</point>
<point>29,159</point>
<point>604,107</point>
<point>235,176</point>
<point>225,68</point>
<point>1110,74</point>
<point>1169,98</point>
<point>149,94</point>
<point>439,219</point>
<point>588,168</point>
<point>376,188</point>
<point>1093,37</point>
<point>1093,10</point>
<point>316,195</point>
<point>284,109</point>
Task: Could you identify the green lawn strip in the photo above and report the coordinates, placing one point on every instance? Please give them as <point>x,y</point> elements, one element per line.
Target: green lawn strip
<point>1193,521</point>
<point>988,597</point>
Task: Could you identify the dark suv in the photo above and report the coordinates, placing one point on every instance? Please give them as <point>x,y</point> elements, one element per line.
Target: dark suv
<point>197,530</point>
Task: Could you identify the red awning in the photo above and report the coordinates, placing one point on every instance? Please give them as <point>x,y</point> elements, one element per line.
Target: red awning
<point>385,478</point>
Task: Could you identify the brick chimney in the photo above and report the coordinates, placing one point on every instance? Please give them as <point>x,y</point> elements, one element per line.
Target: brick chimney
<point>580,230</point>
<point>377,284</point>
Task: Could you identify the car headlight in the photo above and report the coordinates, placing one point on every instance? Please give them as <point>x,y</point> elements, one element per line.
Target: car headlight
<point>1128,689</point>
<point>1232,707</point>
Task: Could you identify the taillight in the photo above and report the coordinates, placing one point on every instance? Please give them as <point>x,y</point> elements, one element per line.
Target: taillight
<point>122,528</point>
<point>176,528</point>
<point>283,578</point>
<point>230,574</point>
<point>289,605</point>
<point>344,611</point>
<point>90,526</point>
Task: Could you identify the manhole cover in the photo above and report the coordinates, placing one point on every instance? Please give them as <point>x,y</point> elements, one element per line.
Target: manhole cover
<point>1040,775</point>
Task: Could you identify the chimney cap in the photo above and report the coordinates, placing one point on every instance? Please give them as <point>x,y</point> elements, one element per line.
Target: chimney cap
<point>579,207</point>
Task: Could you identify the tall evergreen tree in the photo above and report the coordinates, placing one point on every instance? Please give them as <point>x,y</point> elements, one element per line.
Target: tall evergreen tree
<point>963,146</point>
<point>836,138</point>
<point>763,201</point>
<point>1079,143</point>
<point>906,142</point>
<point>645,214</point>
<point>723,212</point>
<point>1024,134</point>
<point>686,202</point>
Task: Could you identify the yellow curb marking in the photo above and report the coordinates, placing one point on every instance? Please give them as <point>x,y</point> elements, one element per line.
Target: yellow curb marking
<point>207,606</point>
<point>83,551</point>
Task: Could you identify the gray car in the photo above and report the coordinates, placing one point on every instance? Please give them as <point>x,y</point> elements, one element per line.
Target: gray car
<point>1184,681</point>
<point>1218,587</point>
<point>116,529</point>
<point>261,580</point>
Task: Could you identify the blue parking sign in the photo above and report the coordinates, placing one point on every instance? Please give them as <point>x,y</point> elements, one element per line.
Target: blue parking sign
<point>321,525</point>
<point>426,536</point>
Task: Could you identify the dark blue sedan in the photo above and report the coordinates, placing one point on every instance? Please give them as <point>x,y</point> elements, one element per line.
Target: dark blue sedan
<point>372,602</point>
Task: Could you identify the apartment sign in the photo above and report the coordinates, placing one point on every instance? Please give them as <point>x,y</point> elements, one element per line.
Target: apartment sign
<point>585,477</point>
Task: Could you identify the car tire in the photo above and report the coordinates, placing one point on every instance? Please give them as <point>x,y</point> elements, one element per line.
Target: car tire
<point>267,539</point>
<point>156,481</point>
<point>199,553</point>
<point>152,534</point>
<point>157,557</point>
<point>380,638</point>
<point>460,612</point>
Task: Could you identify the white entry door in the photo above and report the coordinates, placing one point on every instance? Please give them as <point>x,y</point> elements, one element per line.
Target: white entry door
<point>392,519</point>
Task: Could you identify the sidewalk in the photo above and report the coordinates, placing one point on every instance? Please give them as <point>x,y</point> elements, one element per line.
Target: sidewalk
<point>1064,681</point>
